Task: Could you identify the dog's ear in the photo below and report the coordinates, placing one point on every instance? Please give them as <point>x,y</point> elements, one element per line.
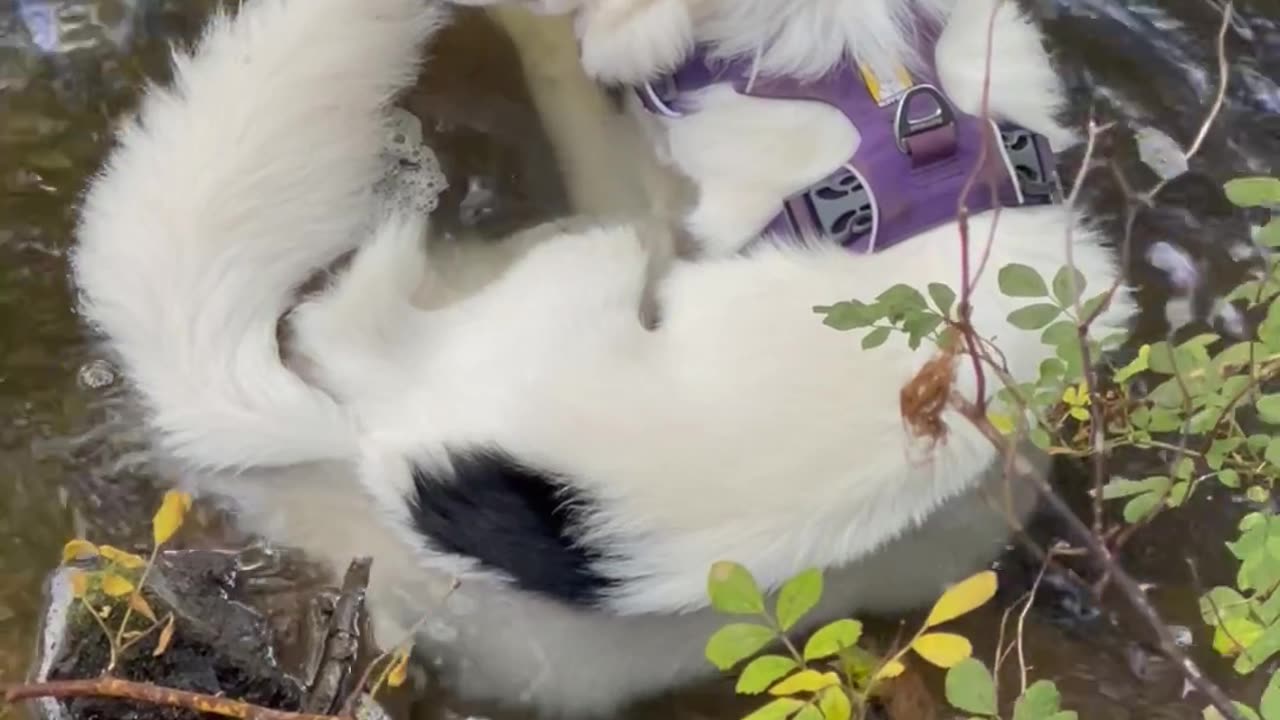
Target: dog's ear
<point>631,41</point>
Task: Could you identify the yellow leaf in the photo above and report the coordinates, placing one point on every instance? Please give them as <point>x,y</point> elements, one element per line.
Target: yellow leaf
<point>891,669</point>
<point>141,607</point>
<point>943,649</point>
<point>805,681</point>
<point>166,637</point>
<point>79,583</point>
<point>77,549</point>
<point>1002,423</point>
<point>1079,413</point>
<point>124,559</point>
<point>116,586</point>
<point>962,598</point>
<point>169,517</point>
<point>400,670</point>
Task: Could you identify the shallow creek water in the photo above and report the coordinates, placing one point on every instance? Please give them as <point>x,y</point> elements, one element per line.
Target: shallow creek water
<point>70,464</point>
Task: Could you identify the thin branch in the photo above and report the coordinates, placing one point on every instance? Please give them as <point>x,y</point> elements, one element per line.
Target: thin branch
<point>116,688</point>
<point>1224,75</point>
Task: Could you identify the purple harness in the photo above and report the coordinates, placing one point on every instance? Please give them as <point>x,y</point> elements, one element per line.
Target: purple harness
<point>910,169</point>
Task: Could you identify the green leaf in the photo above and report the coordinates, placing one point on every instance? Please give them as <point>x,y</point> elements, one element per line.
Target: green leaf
<point>1270,705</point>
<point>875,338</point>
<point>1259,651</point>
<point>1229,478</point>
<point>1272,453</point>
<point>919,326</point>
<point>902,298</point>
<point>809,712</point>
<point>1052,369</point>
<point>943,297</point>
<point>733,590</point>
<point>798,596</point>
<point>1269,611</point>
<point>1142,506</point>
<point>1234,635</point>
<point>1040,702</point>
<point>832,638</point>
<point>779,709</point>
<point>1040,438</point>
<point>1120,488</point>
<point>736,642</point>
<point>1160,358</point>
<point>1183,469</point>
<point>1063,289</point>
<point>1269,408</point>
<point>1178,494</point>
<point>1034,317</point>
<point>1139,363</point>
<point>1211,712</point>
<point>1221,604</point>
<point>1017,280</point>
<point>1253,191</point>
<point>1063,332</point>
<point>848,315</point>
<point>970,687</point>
<point>835,705</point>
<point>1219,450</point>
<point>1269,234</point>
<point>764,671</point>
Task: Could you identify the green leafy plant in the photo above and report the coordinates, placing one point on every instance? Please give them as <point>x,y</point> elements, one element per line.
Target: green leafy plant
<point>1202,404</point>
<point>831,676</point>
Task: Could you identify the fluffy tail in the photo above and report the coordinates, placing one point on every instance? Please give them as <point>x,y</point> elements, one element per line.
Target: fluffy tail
<point>228,191</point>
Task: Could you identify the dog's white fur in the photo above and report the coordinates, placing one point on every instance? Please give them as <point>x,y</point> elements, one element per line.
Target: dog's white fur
<point>741,429</point>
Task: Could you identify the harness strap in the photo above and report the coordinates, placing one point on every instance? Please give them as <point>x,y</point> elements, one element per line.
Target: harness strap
<point>913,162</point>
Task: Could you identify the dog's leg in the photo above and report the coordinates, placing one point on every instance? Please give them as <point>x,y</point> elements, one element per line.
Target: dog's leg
<point>1023,86</point>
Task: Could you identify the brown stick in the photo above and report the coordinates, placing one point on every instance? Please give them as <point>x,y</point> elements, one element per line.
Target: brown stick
<point>153,695</point>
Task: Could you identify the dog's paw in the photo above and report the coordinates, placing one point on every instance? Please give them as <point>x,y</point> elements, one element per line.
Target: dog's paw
<point>631,41</point>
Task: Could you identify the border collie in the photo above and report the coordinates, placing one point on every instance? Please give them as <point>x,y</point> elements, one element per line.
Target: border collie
<point>539,475</point>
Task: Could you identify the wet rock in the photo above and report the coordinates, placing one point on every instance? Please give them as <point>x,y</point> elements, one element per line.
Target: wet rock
<point>218,646</point>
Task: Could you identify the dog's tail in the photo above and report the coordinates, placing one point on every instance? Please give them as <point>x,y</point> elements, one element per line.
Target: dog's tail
<point>227,192</point>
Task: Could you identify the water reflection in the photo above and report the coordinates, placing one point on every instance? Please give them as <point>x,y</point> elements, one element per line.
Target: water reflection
<point>70,453</point>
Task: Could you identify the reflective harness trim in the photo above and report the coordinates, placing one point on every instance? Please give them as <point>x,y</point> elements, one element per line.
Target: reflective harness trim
<point>911,168</point>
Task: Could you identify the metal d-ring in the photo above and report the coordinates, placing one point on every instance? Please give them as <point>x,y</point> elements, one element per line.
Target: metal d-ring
<point>905,126</point>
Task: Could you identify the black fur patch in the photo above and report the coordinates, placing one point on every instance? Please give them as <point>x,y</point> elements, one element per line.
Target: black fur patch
<point>511,518</point>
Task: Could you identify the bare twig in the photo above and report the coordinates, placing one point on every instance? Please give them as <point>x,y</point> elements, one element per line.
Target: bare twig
<point>342,641</point>
<point>968,279</point>
<point>357,692</point>
<point>1224,75</point>
<point>107,687</point>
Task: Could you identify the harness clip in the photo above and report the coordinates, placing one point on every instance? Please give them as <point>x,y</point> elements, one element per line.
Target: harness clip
<point>905,126</point>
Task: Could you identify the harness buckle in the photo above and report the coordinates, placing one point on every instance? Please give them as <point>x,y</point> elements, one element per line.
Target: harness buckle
<point>906,126</point>
<point>1032,164</point>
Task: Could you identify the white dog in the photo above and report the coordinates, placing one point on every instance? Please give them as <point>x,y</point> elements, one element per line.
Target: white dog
<point>575,471</point>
